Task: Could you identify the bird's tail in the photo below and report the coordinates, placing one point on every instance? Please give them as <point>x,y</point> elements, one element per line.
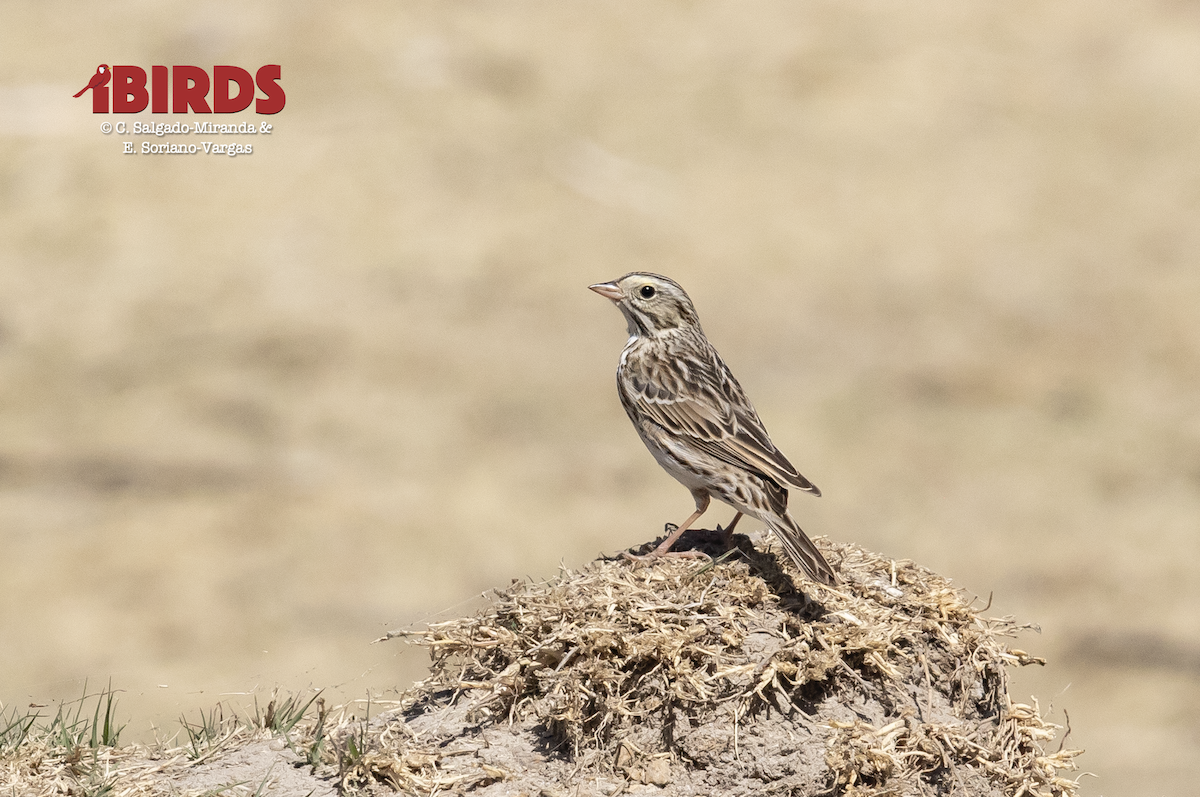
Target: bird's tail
<point>802,551</point>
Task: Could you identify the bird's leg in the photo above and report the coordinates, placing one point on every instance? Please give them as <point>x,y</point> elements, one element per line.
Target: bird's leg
<point>727,532</point>
<point>701,506</point>
<point>664,549</point>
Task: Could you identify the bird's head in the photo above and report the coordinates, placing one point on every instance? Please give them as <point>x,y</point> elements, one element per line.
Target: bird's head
<point>651,303</point>
<point>102,69</point>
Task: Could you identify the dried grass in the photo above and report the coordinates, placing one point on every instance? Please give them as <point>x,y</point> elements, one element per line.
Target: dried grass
<point>699,678</point>
<point>901,675</point>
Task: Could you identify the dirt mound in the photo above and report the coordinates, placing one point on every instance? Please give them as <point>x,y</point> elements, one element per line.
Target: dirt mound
<point>721,678</point>
<point>680,677</point>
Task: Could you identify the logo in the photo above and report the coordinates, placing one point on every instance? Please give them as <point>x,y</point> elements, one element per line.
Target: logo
<point>185,88</point>
<point>100,79</point>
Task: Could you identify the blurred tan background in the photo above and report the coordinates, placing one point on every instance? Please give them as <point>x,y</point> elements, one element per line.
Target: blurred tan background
<point>256,411</point>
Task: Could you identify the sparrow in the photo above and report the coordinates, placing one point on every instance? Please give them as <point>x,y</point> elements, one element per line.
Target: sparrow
<point>692,414</point>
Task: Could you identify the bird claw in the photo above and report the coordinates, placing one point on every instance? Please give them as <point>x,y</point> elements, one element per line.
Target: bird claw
<point>650,557</point>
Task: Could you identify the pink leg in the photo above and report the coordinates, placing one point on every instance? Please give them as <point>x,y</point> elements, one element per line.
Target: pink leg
<point>701,506</point>
<point>727,532</point>
<point>664,549</point>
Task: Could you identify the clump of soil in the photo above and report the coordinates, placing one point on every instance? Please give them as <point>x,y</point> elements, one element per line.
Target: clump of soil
<point>676,677</point>
<point>691,678</point>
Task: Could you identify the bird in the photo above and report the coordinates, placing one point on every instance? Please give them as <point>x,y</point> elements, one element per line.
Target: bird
<point>102,76</point>
<point>695,418</point>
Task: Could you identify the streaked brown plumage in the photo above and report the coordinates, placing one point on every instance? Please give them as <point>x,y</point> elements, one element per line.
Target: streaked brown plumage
<point>696,420</point>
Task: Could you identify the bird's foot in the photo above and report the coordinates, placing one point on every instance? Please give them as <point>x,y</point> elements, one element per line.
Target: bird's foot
<point>724,535</point>
<point>656,554</point>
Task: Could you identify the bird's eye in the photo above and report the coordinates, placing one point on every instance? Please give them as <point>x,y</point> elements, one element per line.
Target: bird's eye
<point>647,291</point>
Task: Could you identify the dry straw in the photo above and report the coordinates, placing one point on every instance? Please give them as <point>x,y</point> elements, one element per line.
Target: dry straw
<point>892,683</point>
<point>699,678</point>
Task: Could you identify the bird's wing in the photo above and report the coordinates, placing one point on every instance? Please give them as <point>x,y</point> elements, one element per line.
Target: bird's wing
<point>695,396</point>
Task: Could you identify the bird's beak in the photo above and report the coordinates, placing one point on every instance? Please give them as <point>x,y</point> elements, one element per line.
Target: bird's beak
<point>608,290</point>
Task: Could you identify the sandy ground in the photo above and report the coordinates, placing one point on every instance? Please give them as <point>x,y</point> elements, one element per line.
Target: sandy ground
<point>255,411</point>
